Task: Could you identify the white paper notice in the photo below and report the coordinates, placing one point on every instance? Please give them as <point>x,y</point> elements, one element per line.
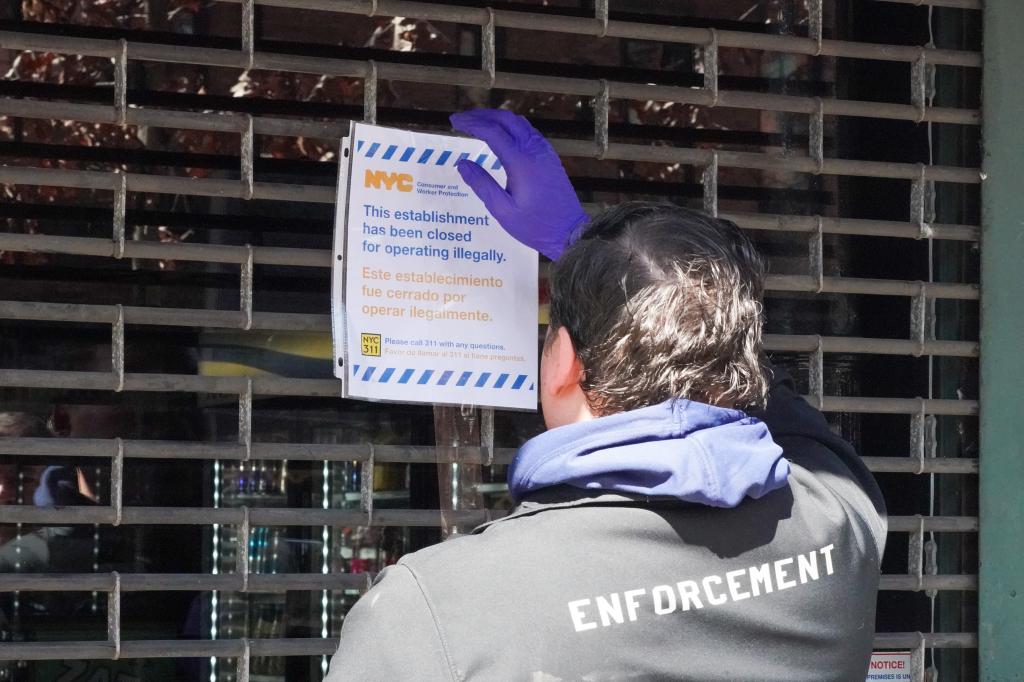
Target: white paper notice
<point>439,304</point>
<point>890,666</point>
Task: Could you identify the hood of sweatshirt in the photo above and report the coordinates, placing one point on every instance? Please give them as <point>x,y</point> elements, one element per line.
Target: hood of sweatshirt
<point>691,451</point>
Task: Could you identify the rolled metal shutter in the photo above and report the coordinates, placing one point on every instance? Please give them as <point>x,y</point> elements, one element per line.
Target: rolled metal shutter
<point>169,179</point>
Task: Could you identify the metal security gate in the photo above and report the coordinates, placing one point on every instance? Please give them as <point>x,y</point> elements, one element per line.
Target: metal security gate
<point>184,497</point>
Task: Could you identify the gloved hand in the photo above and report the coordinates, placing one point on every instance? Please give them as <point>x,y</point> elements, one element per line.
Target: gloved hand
<point>539,206</point>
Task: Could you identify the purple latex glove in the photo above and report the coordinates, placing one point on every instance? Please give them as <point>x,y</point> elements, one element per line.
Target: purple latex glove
<point>539,206</point>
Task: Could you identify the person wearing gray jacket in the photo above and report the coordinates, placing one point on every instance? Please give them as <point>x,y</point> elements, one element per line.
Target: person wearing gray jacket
<point>686,516</point>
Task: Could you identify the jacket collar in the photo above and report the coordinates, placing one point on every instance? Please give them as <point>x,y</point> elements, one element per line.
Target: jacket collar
<point>568,497</point>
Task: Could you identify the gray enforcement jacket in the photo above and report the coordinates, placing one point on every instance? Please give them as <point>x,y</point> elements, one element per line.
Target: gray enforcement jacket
<point>585,585</point>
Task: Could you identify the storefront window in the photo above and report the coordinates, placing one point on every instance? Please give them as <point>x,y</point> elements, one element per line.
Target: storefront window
<point>175,452</point>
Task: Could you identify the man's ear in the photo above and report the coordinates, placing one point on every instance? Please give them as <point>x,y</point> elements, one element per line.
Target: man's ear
<point>564,369</point>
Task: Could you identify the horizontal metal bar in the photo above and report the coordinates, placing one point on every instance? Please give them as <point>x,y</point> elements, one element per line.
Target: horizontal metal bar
<point>360,452</point>
<point>174,317</point>
<point>236,123</point>
<point>230,648</point>
<point>231,319</point>
<point>142,516</point>
<point>334,130</point>
<point>284,582</point>
<point>851,226</point>
<point>911,583</point>
<point>170,648</point>
<point>274,516</point>
<point>273,385</point>
<point>331,452</point>
<point>808,343</point>
<point>223,121</point>
<point>964,408</point>
<point>169,184</point>
<point>955,4</point>
<point>165,184</point>
<point>182,582</point>
<point>789,283</point>
<point>931,640</point>
<point>321,258</point>
<point>184,383</point>
<point>937,524</point>
<point>504,80</point>
<point>832,107</point>
<point>635,30</point>
<point>203,253</point>
<point>765,161</point>
<point>258,516</point>
<point>912,465</point>
<point>875,287</point>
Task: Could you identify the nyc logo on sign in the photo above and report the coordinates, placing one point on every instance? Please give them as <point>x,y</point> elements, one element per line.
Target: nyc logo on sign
<point>386,180</point>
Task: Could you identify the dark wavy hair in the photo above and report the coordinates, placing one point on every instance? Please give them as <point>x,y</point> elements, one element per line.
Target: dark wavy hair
<point>662,302</point>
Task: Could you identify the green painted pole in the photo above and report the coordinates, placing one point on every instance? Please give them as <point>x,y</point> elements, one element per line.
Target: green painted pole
<point>1001,595</point>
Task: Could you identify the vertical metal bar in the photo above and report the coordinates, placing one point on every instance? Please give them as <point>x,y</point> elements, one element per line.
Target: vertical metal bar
<point>487,433</point>
<point>816,255</point>
<point>815,20</point>
<point>931,562</point>
<point>816,363</point>
<point>114,615</point>
<point>711,67</point>
<point>249,31</point>
<point>816,374</point>
<point>245,289</point>
<point>487,58</point>
<point>816,137</point>
<point>922,320</point>
<point>926,216</point>
<point>121,83</point>
<point>922,84</point>
<point>922,204</point>
<point>1001,577</point>
<point>366,486</point>
<point>454,427</point>
<point>917,660</point>
<point>601,104</point>
<point>242,549</point>
<point>915,552</point>
<point>120,209</point>
<point>245,419</point>
<point>242,664</point>
<point>922,438</point>
<point>117,482</point>
<point>709,178</point>
<point>919,85</point>
<point>601,14</point>
<point>370,92</point>
<point>117,348</point>
<point>246,158</point>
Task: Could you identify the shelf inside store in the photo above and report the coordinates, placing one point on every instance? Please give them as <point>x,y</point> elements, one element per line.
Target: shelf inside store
<point>256,500</point>
<point>353,498</point>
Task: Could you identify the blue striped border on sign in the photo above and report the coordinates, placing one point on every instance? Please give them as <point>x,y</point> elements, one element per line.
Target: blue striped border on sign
<point>446,377</point>
<point>422,155</point>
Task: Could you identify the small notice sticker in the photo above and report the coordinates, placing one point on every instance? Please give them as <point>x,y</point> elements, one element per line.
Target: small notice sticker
<point>370,344</point>
<point>889,666</point>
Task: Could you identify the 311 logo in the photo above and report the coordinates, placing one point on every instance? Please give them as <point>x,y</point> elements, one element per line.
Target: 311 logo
<point>370,344</point>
